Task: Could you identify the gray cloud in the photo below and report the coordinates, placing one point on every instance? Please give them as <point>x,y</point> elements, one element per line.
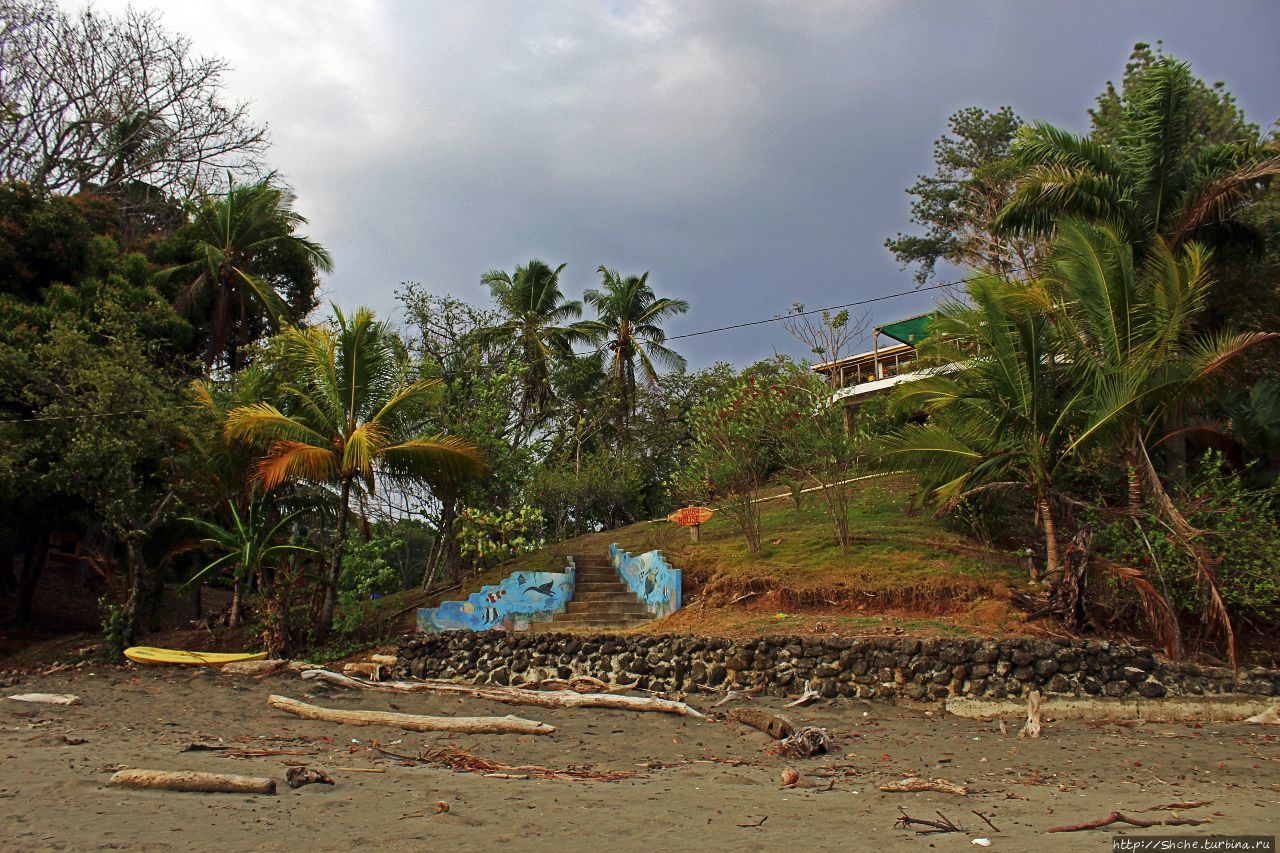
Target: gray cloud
<point>749,155</point>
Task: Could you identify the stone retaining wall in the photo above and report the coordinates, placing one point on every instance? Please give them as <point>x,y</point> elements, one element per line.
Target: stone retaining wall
<point>881,668</point>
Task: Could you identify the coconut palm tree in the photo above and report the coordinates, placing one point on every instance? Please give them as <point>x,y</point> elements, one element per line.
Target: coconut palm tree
<point>1130,345</point>
<point>234,236</point>
<point>630,331</point>
<point>1155,181</point>
<point>999,416</point>
<point>354,416</point>
<point>538,325</point>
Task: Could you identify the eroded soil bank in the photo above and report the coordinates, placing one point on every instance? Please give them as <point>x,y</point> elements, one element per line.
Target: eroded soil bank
<point>699,779</point>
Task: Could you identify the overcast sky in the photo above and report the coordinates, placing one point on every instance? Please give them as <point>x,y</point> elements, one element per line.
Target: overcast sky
<point>749,155</point>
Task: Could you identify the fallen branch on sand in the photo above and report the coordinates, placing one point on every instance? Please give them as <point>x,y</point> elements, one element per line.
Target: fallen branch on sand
<point>47,698</point>
<point>579,684</point>
<point>733,695</point>
<point>412,722</point>
<point>914,784</point>
<point>808,696</point>
<point>1179,807</point>
<point>775,727</point>
<point>464,762</point>
<point>511,695</point>
<point>1117,817</point>
<point>943,824</point>
<point>206,783</point>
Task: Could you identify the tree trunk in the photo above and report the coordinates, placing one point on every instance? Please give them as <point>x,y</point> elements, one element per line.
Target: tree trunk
<point>233,619</point>
<point>335,564</point>
<point>8,580</point>
<point>35,554</point>
<point>1052,562</point>
<point>1070,592</point>
<point>138,586</point>
<point>450,547</point>
<point>1134,478</point>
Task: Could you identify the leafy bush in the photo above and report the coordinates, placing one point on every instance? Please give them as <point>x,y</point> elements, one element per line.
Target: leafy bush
<point>367,572</point>
<point>495,537</point>
<point>1239,529</point>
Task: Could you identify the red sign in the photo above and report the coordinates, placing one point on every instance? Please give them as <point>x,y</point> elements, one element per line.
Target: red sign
<point>690,516</point>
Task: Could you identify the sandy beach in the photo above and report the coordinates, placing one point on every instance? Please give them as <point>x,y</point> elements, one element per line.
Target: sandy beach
<point>700,783</point>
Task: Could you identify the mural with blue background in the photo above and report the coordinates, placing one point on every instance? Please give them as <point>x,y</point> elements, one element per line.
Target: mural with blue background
<point>651,578</point>
<point>511,605</point>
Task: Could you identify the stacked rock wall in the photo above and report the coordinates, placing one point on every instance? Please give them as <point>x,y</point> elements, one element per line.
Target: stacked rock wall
<point>882,668</point>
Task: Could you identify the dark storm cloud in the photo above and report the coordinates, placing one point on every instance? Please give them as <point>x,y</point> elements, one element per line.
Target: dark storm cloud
<point>750,155</point>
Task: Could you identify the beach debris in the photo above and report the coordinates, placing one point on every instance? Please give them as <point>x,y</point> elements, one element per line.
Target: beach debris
<point>299,776</point>
<point>807,742</point>
<point>808,696</point>
<point>1031,728</point>
<point>254,668</point>
<point>734,695</point>
<point>986,820</point>
<point>511,695</point>
<point>755,825</point>
<point>981,842</point>
<point>1179,807</point>
<point>47,698</point>
<point>578,684</point>
<point>932,827</point>
<point>774,726</point>
<point>385,660</point>
<point>205,746</point>
<point>1269,717</point>
<point>411,722</point>
<point>441,807</point>
<point>1117,817</point>
<point>461,761</point>
<point>189,780</point>
<point>371,671</point>
<point>914,784</point>
<point>790,777</point>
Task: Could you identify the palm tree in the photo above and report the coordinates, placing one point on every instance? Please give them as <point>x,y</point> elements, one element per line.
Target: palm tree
<point>537,325</point>
<point>250,545</point>
<point>630,327</point>
<point>354,415</point>
<point>1129,342</point>
<point>233,236</point>
<point>1154,182</point>
<point>998,417</point>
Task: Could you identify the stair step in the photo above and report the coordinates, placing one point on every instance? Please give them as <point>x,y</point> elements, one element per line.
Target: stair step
<point>600,586</point>
<point>611,608</point>
<point>603,616</point>
<point>622,595</point>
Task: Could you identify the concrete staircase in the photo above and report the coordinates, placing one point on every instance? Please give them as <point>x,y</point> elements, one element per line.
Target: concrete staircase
<point>601,600</point>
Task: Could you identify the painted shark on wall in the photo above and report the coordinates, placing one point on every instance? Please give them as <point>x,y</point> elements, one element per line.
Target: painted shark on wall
<point>520,599</point>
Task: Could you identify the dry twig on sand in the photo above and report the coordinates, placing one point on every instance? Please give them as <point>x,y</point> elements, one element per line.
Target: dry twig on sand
<point>808,696</point>
<point>914,784</point>
<point>733,695</point>
<point>207,783</point>
<point>511,695</point>
<point>412,722</point>
<point>1117,817</point>
<point>461,761</point>
<point>943,824</point>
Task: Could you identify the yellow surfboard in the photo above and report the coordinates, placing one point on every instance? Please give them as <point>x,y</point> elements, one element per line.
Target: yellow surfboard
<point>150,654</point>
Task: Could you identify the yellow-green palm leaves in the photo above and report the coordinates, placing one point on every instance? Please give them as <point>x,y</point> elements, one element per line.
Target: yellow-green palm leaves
<point>351,413</point>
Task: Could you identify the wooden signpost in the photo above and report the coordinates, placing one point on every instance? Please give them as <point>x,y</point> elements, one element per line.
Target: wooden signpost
<point>691,517</point>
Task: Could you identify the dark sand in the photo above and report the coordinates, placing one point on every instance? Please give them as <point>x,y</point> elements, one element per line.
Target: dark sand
<point>692,797</point>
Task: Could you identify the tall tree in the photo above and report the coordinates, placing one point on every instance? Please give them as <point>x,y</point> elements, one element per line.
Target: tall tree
<point>956,205</point>
<point>235,239</point>
<point>94,101</point>
<point>1148,175</point>
<point>630,330</point>
<point>537,326</point>
<point>355,415</point>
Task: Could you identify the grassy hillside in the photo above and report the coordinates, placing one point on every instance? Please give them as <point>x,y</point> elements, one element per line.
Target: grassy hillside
<point>903,571</point>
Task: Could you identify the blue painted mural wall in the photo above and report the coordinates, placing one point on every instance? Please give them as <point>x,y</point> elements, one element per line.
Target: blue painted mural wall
<point>511,605</point>
<point>651,578</point>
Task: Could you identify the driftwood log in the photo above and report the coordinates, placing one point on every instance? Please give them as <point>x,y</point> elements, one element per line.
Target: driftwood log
<point>775,727</point>
<point>1117,817</point>
<point>186,780</point>
<point>913,784</point>
<point>511,695</point>
<point>412,722</point>
<point>47,698</point>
